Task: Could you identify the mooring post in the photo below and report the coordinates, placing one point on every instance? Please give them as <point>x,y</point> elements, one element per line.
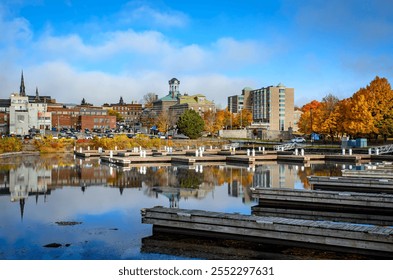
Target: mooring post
<point>110,153</point>
<point>253,152</point>
<point>248,152</point>
<point>302,152</point>
<point>350,152</point>
<point>343,152</point>
<point>296,152</point>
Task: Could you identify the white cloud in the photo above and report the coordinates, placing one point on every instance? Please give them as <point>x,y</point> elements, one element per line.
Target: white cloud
<point>68,85</point>
<point>13,30</point>
<point>139,12</point>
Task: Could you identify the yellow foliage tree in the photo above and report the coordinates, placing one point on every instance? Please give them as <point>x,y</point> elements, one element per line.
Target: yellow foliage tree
<point>358,119</point>
<point>306,122</point>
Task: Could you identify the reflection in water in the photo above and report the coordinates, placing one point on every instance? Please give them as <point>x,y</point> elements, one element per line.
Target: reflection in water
<point>40,176</point>
<point>49,189</point>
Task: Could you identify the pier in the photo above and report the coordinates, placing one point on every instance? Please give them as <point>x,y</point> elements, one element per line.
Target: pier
<point>348,237</point>
<point>344,202</point>
<point>349,183</point>
<point>126,158</point>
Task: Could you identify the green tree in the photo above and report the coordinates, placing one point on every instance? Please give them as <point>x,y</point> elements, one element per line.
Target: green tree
<point>191,124</point>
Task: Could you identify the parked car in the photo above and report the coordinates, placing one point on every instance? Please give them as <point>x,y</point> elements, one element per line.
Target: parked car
<point>180,136</point>
<point>298,140</point>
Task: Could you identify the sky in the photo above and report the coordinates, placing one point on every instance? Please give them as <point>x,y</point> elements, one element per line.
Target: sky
<point>104,50</point>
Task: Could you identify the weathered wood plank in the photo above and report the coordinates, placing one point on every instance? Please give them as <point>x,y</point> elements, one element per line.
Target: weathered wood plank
<point>318,232</point>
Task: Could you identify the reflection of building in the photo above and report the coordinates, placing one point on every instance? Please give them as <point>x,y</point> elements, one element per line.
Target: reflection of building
<point>274,176</point>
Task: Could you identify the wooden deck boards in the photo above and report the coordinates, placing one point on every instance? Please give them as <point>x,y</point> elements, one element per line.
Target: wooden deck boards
<point>364,237</point>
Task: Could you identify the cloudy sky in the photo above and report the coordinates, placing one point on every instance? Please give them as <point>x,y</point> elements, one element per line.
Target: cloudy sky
<point>101,50</point>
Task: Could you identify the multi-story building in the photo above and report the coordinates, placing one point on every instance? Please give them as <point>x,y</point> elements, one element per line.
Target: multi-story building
<point>82,117</point>
<point>273,107</point>
<point>27,113</point>
<point>197,102</point>
<point>236,103</point>
<point>176,104</point>
<point>172,98</point>
<point>131,112</point>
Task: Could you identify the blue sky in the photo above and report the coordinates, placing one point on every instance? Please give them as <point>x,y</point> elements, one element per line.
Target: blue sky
<point>101,50</point>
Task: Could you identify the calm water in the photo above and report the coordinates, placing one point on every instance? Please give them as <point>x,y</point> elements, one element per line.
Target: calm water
<point>92,211</point>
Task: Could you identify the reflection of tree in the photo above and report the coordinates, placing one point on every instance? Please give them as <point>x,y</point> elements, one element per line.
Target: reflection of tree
<point>189,178</point>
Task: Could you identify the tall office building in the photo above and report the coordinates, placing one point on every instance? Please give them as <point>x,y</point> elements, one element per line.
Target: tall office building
<point>273,106</point>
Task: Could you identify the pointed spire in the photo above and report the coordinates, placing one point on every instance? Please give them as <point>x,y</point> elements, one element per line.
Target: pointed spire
<point>37,96</point>
<point>22,90</point>
<point>22,207</point>
<point>121,102</point>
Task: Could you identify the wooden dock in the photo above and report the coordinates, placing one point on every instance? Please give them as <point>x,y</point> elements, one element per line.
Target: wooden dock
<point>213,155</point>
<point>291,212</point>
<point>356,238</point>
<point>353,202</point>
<point>344,183</point>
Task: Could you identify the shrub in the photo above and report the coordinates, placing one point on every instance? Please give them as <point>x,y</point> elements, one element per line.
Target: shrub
<point>10,144</point>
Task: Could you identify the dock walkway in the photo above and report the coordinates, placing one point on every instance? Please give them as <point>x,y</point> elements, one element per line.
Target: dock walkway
<point>366,239</point>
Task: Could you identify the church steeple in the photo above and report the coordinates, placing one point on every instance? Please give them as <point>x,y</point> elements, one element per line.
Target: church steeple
<point>37,96</point>
<point>22,90</point>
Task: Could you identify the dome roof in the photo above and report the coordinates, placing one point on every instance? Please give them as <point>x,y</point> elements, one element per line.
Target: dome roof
<point>280,85</point>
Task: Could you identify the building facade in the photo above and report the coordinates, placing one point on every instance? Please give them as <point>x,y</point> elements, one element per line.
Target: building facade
<point>172,98</point>
<point>131,112</point>
<point>273,107</point>
<point>197,102</point>
<point>236,103</point>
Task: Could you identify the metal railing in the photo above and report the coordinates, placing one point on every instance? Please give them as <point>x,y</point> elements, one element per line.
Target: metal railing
<point>288,146</point>
<point>381,150</point>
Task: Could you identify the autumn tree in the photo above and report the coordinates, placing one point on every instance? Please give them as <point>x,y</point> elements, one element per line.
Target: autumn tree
<point>244,117</point>
<point>119,117</point>
<point>358,119</point>
<point>163,122</point>
<point>306,122</point>
<point>379,96</point>
<point>148,99</point>
<point>223,118</point>
<point>326,116</point>
<point>211,124</point>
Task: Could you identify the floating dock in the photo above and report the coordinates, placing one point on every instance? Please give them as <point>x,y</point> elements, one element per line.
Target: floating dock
<point>355,238</point>
<point>344,183</point>
<point>353,202</point>
<point>290,212</point>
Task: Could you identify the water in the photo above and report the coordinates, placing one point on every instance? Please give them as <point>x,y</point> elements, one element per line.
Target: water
<point>58,207</point>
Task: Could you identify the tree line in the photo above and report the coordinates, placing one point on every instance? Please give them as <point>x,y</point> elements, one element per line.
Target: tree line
<point>367,113</point>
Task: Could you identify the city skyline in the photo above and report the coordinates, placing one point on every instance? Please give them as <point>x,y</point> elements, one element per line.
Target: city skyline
<point>88,49</point>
